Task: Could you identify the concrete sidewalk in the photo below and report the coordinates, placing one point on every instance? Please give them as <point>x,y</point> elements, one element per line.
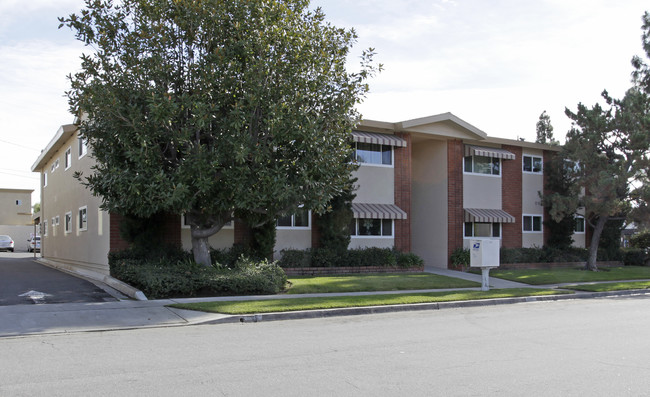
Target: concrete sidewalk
<point>494,282</point>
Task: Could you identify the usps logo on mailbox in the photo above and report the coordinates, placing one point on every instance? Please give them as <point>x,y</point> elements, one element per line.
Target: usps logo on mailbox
<point>484,253</point>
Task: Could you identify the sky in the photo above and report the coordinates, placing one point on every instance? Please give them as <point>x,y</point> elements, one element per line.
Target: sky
<point>496,64</point>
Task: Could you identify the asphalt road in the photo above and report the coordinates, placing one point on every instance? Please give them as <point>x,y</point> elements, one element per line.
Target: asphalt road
<point>596,347</point>
<point>24,281</point>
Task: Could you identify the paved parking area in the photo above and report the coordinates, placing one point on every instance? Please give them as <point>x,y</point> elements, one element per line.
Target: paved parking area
<point>24,282</point>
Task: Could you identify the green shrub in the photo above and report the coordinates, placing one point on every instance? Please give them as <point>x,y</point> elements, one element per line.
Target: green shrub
<point>295,258</point>
<point>459,258</point>
<point>641,240</point>
<point>165,278</point>
<point>325,257</point>
<point>362,257</point>
<point>634,257</point>
<point>407,260</point>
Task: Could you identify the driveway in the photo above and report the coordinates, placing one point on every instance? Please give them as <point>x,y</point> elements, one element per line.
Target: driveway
<point>24,281</point>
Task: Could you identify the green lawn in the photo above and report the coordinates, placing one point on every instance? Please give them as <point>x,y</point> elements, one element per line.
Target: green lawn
<point>286,305</point>
<point>603,287</point>
<point>556,276</point>
<point>375,282</point>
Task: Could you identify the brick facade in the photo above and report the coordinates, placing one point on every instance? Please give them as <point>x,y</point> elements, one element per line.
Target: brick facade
<point>511,192</point>
<point>455,218</point>
<point>170,229</point>
<point>548,157</point>
<point>403,193</point>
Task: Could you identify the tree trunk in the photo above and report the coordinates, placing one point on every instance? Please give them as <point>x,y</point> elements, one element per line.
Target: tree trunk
<point>201,250</point>
<point>593,247</point>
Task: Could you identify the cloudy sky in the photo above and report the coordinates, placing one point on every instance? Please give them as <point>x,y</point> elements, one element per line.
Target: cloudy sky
<point>496,64</point>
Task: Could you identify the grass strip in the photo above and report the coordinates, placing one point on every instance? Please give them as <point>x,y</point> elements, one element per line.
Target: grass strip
<point>295,304</point>
<point>375,282</point>
<point>572,275</point>
<point>604,287</point>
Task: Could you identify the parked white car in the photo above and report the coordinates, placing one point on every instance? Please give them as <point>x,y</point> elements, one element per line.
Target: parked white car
<point>7,243</point>
<point>34,244</point>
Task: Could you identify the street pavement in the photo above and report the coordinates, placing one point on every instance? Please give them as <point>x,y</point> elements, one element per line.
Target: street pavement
<point>55,318</point>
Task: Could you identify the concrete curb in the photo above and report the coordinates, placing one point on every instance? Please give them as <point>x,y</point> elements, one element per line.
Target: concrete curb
<point>114,283</point>
<point>325,313</point>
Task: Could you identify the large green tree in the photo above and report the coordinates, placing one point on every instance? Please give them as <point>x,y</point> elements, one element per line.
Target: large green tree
<point>544,130</point>
<point>213,108</point>
<point>609,150</point>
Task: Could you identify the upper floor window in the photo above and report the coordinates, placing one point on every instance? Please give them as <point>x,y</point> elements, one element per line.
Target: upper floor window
<point>44,178</point>
<point>482,165</point>
<point>532,223</point>
<point>83,218</point>
<point>67,225</point>
<point>482,229</point>
<point>300,219</point>
<point>82,146</point>
<point>19,202</point>
<point>55,165</point>
<point>580,224</point>
<point>373,153</point>
<point>68,158</point>
<point>532,164</point>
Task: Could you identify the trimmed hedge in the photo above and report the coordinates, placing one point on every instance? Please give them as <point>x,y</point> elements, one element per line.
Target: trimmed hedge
<point>364,257</point>
<point>180,276</point>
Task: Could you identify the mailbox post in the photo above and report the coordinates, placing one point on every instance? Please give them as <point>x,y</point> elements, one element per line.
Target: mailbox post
<point>484,254</point>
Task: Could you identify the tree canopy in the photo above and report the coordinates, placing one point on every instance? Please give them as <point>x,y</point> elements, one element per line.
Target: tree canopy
<point>609,152</point>
<point>544,130</point>
<point>215,108</point>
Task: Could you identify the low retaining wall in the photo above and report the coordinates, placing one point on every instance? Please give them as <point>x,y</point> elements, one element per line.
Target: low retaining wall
<point>322,271</point>
<point>554,265</point>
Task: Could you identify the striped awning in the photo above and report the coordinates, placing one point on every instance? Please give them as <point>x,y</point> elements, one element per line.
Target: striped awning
<point>373,137</point>
<point>488,152</point>
<point>377,211</point>
<point>488,215</point>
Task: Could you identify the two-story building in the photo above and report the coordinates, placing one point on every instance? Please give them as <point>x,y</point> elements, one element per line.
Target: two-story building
<point>426,185</point>
<point>16,216</point>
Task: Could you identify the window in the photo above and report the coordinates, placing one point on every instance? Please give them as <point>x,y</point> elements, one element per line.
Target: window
<point>299,219</point>
<point>45,228</point>
<point>56,219</point>
<point>482,165</point>
<point>19,202</point>
<point>83,218</point>
<point>82,146</point>
<point>373,153</point>
<point>532,164</point>
<point>580,224</point>
<point>68,158</point>
<point>44,178</point>
<point>55,165</point>
<point>532,223</point>
<point>482,229</point>
<point>68,222</point>
<point>371,227</point>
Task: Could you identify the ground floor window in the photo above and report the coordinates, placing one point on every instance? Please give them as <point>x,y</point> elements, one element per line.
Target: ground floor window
<point>68,222</point>
<point>371,227</point>
<point>580,224</point>
<point>83,218</point>
<point>45,228</point>
<point>299,219</point>
<point>482,229</point>
<point>532,223</point>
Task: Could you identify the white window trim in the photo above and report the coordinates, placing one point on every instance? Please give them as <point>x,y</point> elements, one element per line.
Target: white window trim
<point>230,225</point>
<point>584,225</point>
<point>532,156</point>
<point>364,237</point>
<point>308,227</point>
<point>85,145</point>
<point>541,223</point>
<point>67,230</point>
<point>44,178</point>
<point>65,157</point>
<point>480,174</point>
<point>392,158</point>
<point>82,229</point>
<point>483,238</point>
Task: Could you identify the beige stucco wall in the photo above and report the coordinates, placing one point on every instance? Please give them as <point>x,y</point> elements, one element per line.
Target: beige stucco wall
<point>222,239</point>
<point>291,239</point>
<point>429,202</point>
<point>63,193</point>
<point>481,191</point>
<point>375,184</point>
<point>12,213</point>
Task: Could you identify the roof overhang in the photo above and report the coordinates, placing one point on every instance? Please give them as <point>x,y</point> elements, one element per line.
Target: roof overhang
<point>62,135</point>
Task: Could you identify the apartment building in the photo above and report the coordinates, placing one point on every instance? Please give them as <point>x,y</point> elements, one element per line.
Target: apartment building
<point>425,185</point>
